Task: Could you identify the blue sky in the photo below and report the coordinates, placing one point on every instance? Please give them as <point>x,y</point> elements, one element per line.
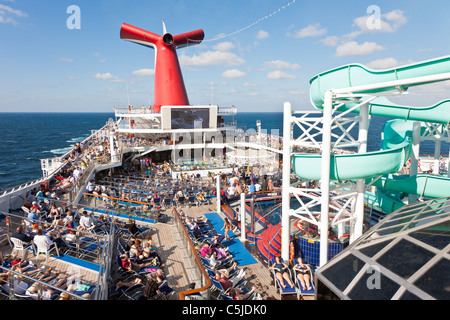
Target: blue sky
<point>47,67</point>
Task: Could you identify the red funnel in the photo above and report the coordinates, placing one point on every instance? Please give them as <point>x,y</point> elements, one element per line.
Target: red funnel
<point>169,84</point>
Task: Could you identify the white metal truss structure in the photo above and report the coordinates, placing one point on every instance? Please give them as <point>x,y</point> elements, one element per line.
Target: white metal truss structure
<point>437,133</point>
<point>342,197</point>
<point>323,127</point>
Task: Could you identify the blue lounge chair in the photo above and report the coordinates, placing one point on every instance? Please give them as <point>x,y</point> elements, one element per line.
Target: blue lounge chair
<point>287,289</point>
<point>305,292</point>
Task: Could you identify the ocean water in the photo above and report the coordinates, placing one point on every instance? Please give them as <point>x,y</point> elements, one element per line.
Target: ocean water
<point>29,137</point>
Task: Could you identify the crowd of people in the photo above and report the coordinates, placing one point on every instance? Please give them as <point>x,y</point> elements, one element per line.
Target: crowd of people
<point>38,283</point>
<point>211,246</point>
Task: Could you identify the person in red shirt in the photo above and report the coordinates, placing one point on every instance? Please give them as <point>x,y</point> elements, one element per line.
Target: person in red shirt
<point>223,279</point>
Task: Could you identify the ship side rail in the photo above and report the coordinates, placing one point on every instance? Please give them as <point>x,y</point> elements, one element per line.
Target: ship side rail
<point>77,186</point>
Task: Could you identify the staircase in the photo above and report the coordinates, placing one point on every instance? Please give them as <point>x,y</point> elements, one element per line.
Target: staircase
<point>269,245</point>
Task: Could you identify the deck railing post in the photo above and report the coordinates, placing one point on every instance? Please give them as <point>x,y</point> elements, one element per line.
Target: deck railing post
<point>325,176</point>
<point>242,215</point>
<point>360,184</point>
<point>286,196</point>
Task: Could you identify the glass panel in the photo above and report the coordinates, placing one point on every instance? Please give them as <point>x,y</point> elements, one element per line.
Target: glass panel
<point>370,251</point>
<point>405,258</point>
<point>409,296</point>
<point>324,293</point>
<point>374,286</point>
<point>387,231</point>
<point>437,236</point>
<point>436,281</point>
<point>343,271</point>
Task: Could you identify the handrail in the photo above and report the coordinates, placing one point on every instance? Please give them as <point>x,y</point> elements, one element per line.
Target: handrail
<point>84,233</point>
<point>118,199</point>
<point>270,242</point>
<point>208,284</point>
<point>41,283</point>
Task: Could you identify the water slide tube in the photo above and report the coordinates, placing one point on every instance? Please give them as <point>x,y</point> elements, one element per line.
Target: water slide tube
<point>356,75</point>
<point>424,185</point>
<point>396,143</point>
<point>385,200</point>
<point>361,166</point>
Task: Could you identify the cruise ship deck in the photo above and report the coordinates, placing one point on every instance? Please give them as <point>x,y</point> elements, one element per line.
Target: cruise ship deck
<point>182,267</point>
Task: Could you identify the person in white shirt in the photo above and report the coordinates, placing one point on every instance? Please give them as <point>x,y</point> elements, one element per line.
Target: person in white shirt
<point>41,239</point>
<point>257,187</point>
<point>77,173</point>
<point>71,236</point>
<point>86,222</point>
<point>231,190</point>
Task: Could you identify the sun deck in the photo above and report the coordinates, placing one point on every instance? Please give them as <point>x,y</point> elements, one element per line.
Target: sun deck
<point>181,266</point>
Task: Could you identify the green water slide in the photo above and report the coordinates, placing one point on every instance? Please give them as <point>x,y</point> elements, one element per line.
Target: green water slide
<point>353,166</point>
<point>382,107</point>
<point>424,185</point>
<point>356,75</point>
<point>396,134</point>
<point>387,201</point>
<point>396,150</point>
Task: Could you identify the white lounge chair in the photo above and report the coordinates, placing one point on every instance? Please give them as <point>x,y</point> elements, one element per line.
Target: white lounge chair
<point>19,245</point>
<point>43,247</point>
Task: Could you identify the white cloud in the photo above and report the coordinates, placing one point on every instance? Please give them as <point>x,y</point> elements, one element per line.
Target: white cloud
<point>98,55</point>
<point>144,72</point>
<point>249,84</point>
<point>107,76</point>
<point>352,48</point>
<point>262,35</point>
<point>277,74</point>
<point>210,58</point>
<point>331,41</point>
<point>224,46</point>
<point>104,76</point>
<point>312,30</point>
<point>280,64</point>
<point>425,50</point>
<point>385,63</point>
<point>297,93</point>
<point>9,15</point>
<point>388,22</point>
<point>66,60</point>
<point>234,73</point>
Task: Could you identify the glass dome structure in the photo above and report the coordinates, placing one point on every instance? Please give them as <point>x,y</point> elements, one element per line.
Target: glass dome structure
<point>406,256</point>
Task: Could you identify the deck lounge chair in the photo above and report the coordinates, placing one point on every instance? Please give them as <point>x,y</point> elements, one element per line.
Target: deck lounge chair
<point>41,247</point>
<point>19,245</point>
<point>299,286</point>
<point>287,289</point>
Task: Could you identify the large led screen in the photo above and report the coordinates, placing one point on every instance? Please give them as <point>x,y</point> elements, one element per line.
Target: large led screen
<point>189,118</point>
